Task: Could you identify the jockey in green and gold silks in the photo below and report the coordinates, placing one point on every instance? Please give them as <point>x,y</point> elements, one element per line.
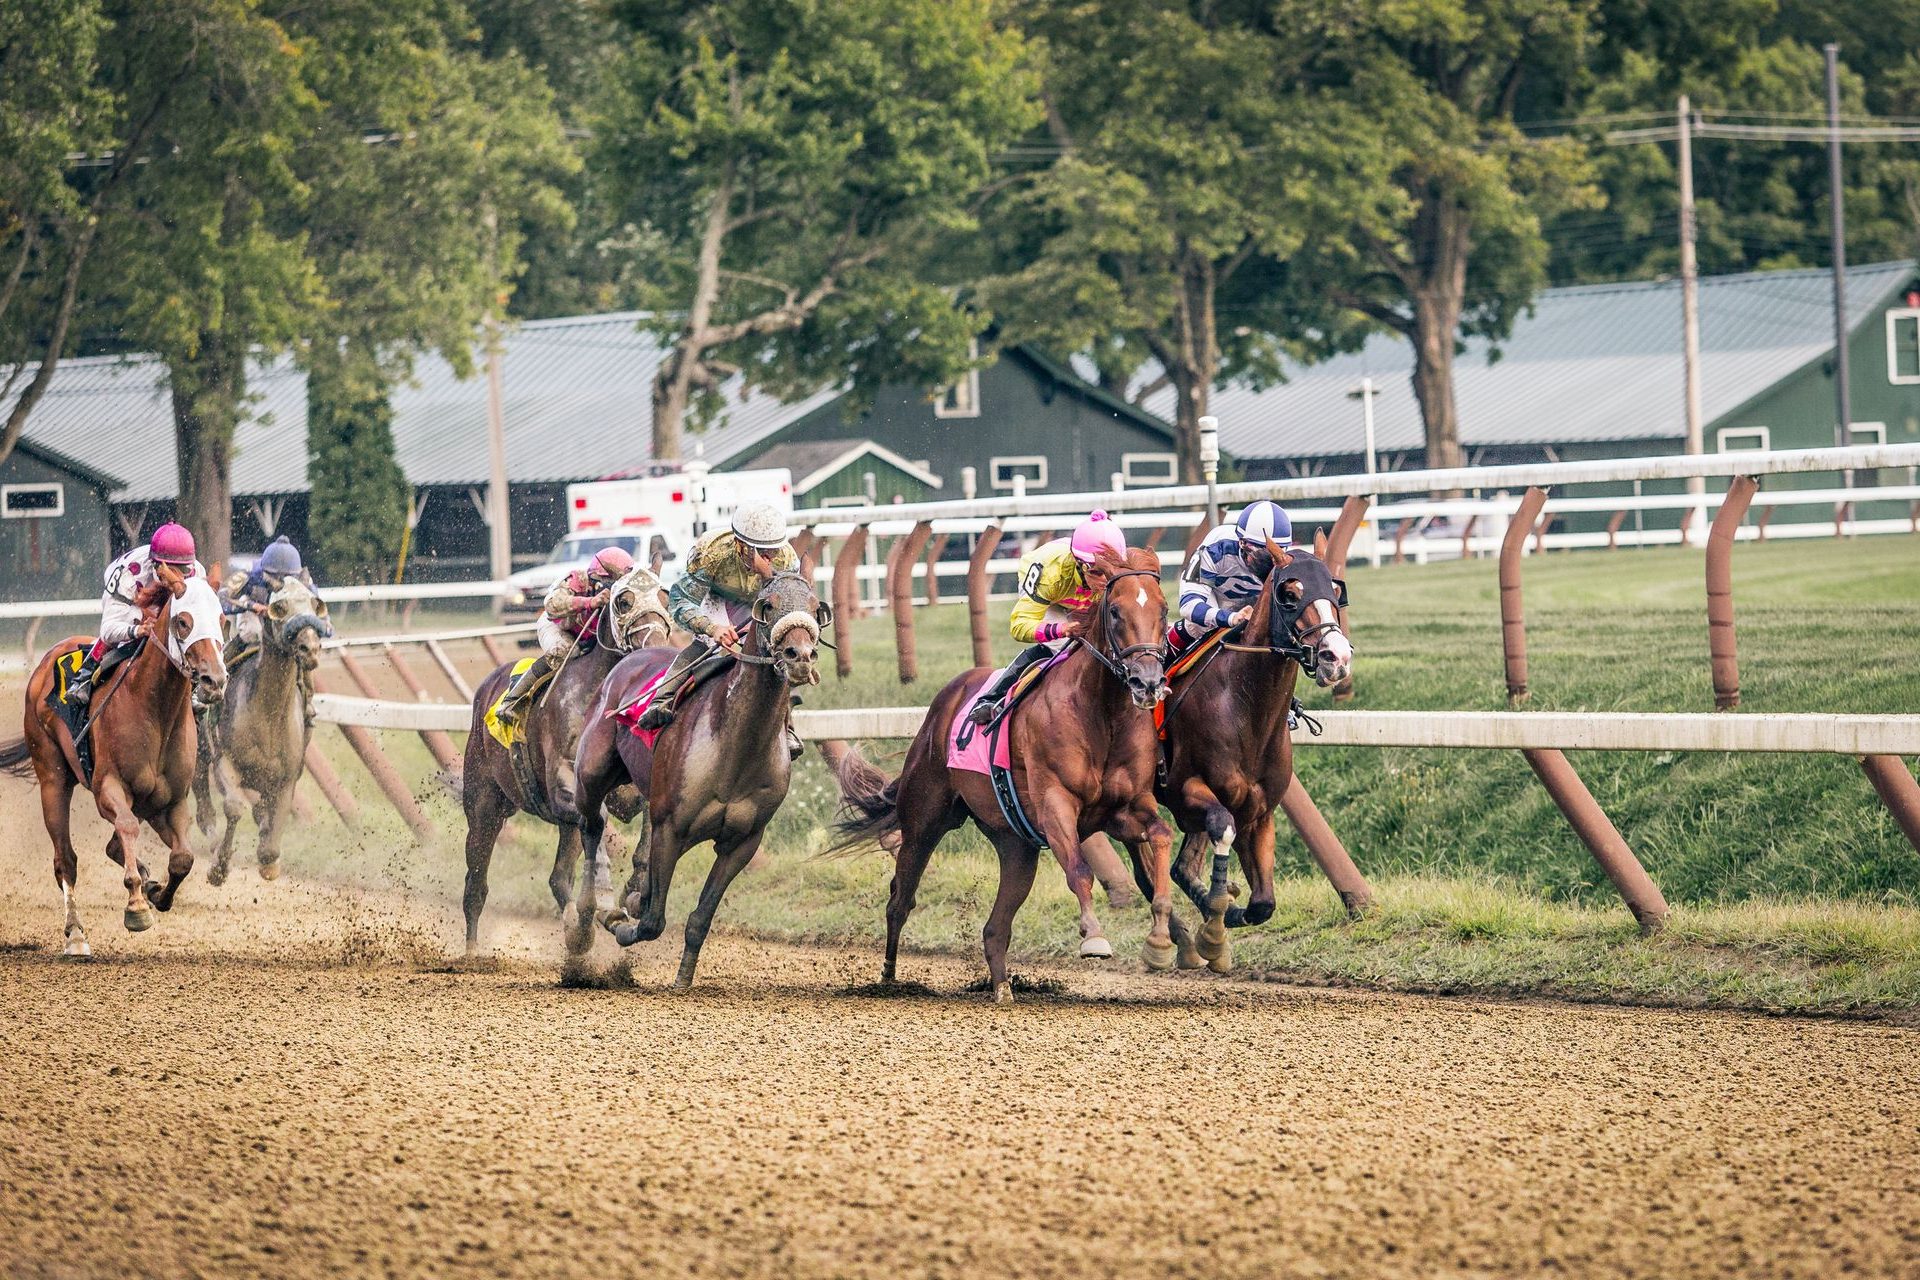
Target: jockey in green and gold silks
<point>726,567</point>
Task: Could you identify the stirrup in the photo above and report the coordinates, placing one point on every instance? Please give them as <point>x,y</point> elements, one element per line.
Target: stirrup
<point>795,747</point>
<point>986,711</point>
<point>657,716</point>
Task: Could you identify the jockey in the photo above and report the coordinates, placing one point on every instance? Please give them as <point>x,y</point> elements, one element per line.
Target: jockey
<point>727,566</point>
<point>246,596</point>
<point>568,620</point>
<point>120,617</point>
<point>1228,569</point>
<point>1056,579</point>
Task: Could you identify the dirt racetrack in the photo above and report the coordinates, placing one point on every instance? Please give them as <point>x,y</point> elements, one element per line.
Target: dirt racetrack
<point>293,1079</point>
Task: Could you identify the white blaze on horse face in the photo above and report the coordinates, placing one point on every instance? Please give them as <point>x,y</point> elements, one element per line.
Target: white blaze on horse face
<point>1141,599</point>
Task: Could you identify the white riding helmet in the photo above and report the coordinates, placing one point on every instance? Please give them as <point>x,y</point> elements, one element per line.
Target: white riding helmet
<point>760,525</point>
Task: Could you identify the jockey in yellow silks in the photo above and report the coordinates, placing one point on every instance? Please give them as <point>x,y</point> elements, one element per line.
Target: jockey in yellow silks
<point>1057,578</point>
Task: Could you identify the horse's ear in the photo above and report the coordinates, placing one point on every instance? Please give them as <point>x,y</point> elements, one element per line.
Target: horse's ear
<point>174,580</point>
<point>1281,556</point>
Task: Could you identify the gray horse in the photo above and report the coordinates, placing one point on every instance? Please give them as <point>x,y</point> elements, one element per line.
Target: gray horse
<point>254,748</point>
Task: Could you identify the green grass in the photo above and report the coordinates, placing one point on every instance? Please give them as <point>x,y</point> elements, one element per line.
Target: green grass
<point>1792,887</point>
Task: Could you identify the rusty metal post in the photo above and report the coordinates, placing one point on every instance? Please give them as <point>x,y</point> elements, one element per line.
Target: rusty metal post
<point>1155,534</point>
<point>1466,537</point>
<point>33,634</point>
<point>1195,538</point>
<point>1400,541</point>
<point>388,778</point>
<point>809,553</point>
<point>1334,860</point>
<point>439,745</point>
<point>494,655</point>
<point>1842,512</point>
<point>1897,790</point>
<point>1513,618</point>
<point>1760,522</point>
<point>1720,638</point>
<point>1601,837</point>
<point>846,598</point>
<point>983,552</point>
<point>936,547</point>
<point>900,563</point>
<point>444,660</point>
<point>1613,530</point>
<point>1686,527</point>
<point>320,769</point>
<point>302,804</point>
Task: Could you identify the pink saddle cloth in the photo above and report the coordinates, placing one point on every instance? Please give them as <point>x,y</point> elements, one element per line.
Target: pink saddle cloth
<point>630,714</point>
<point>967,742</point>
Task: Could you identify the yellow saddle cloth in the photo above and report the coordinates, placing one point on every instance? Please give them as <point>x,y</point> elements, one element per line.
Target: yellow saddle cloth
<point>508,734</point>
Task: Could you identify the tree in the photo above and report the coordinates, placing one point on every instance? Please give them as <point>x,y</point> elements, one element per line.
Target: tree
<point>50,110</point>
<point>785,167</point>
<point>360,501</point>
<point>1452,246</point>
<point>1186,166</point>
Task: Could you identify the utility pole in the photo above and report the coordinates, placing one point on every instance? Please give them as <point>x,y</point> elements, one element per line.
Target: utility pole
<point>1843,391</point>
<point>499,530</point>
<point>1690,293</point>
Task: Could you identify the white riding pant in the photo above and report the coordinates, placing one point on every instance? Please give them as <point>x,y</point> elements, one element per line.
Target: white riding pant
<point>553,639</point>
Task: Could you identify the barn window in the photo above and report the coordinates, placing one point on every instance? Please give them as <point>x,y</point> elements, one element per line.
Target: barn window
<point>1729,439</point>
<point>32,501</point>
<point>1032,466</point>
<point>962,399</point>
<point>855,500</point>
<point>1141,469</point>
<point>1862,434</point>
<point>1903,345</point>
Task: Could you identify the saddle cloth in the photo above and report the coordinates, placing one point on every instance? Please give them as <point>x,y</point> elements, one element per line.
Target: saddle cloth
<point>967,742</point>
<point>630,714</point>
<point>1180,666</point>
<point>71,712</point>
<point>508,734</point>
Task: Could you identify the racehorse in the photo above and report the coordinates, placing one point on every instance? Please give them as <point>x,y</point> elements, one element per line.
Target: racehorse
<point>716,773</point>
<point>493,789</point>
<point>142,741</point>
<point>254,746</point>
<point>1229,753</point>
<point>1082,755</point>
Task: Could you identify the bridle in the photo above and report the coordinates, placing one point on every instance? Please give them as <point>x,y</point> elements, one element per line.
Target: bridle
<point>1283,640</point>
<point>1112,660</point>
<point>763,626</point>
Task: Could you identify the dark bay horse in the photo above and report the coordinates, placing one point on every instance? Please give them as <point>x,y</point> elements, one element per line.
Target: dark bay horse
<point>143,742</point>
<point>255,746</point>
<point>1229,751</point>
<point>1083,752</point>
<point>716,773</point>
<point>492,789</point>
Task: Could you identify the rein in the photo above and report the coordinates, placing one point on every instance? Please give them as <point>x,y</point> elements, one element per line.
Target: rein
<point>1111,661</point>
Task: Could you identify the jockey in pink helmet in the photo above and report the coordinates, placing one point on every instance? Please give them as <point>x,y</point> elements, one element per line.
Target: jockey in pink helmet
<point>568,620</point>
<point>171,545</point>
<point>1056,579</point>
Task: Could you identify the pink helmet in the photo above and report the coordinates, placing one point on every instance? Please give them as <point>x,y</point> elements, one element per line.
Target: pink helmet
<point>1098,533</point>
<point>610,563</point>
<point>172,544</point>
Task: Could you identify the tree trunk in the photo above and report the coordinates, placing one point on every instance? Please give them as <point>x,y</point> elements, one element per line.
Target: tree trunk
<point>1439,242</point>
<point>16,423</point>
<point>1195,359</point>
<point>683,370</point>
<point>207,391</point>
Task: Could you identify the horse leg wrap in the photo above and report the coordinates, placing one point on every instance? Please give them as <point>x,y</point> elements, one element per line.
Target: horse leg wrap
<point>1213,930</point>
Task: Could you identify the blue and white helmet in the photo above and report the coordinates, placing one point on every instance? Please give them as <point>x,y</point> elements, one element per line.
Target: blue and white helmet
<point>1265,519</point>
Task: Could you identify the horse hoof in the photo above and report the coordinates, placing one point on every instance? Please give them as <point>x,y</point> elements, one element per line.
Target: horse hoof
<point>1190,958</point>
<point>269,871</point>
<point>1159,956</point>
<point>77,946</point>
<point>216,875</point>
<point>1096,948</point>
<point>1003,993</point>
<point>138,921</point>
<point>1222,961</point>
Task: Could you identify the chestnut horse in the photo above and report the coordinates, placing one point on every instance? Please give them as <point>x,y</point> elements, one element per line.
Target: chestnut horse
<point>716,773</point>
<point>143,740</point>
<point>1082,755</point>
<point>492,788</point>
<point>1229,751</point>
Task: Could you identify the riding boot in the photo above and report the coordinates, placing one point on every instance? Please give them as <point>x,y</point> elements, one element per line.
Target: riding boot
<point>524,686</point>
<point>659,714</point>
<point>988,708</point>
<point>93,670</point>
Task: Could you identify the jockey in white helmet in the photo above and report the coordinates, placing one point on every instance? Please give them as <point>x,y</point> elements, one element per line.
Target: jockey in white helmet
<point>726,567</point>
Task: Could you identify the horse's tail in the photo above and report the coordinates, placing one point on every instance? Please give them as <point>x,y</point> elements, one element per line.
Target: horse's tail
<point>869,801</point>
<point>16,760</point>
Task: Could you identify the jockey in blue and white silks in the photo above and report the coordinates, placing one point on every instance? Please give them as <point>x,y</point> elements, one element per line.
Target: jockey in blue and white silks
<point>1223,578</point>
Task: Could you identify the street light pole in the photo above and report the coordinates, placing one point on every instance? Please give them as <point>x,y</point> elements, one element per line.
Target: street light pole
<point>1843,390</point>
<point>1210,465</point>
